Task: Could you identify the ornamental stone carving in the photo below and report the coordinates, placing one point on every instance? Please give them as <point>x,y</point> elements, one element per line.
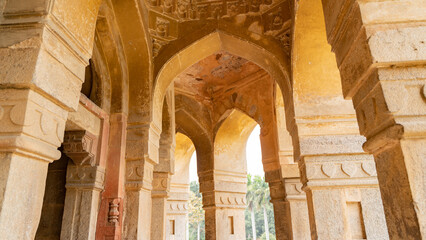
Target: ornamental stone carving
<point>168,16</point>
<point>81,147</point>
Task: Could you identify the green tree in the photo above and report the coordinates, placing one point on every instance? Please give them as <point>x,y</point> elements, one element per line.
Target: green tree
<point>262,200</point>
<point>196,213</point>
<point>259,212</point>
<point>251,203</point>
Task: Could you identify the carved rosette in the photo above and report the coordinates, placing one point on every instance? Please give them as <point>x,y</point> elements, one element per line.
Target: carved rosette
<point>81,147</point>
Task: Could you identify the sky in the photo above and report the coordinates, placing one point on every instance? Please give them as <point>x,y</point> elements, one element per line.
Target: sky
<point>253,156</point>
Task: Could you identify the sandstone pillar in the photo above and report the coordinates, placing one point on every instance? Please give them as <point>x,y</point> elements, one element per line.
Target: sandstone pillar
<point>110,218</point>
<point>32,129</point>
<point>224,202</point>
<point>381,57</point>
<point>342,189</point>
<point>40,80</point>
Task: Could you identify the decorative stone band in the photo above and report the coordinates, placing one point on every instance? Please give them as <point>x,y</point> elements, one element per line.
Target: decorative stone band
<point>384,140</point>
<point>139,175</point>
<point>177,207</point>
<point>224,200</point>
<point>293,189</point>
<point>160,185</point>
<point>85,177</point>
<point>81,147</point>
<point>339,171</point>
<point>40,122</point>
<point>143,142</point>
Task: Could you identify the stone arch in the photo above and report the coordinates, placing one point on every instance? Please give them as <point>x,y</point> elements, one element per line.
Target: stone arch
<point>230,142</point>
<point>183,153</point>
<point>207,46</point>
<point>136,46</point>
<point>108,44</point>
<point>188,125</point>
<point>167,137</point>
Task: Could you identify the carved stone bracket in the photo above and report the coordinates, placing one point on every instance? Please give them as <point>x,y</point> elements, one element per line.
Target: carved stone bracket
<point>81,147</point>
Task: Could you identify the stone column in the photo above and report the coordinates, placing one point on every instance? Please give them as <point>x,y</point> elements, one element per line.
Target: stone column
<point>40,80</point>
<point>177,212</point>
<point>224,202</point>
<point>296,199</point>
<point>160,193</point>
<point>85,181</point>
<point>342,188</point>
<point>141,155</point>
<point>381,57</point>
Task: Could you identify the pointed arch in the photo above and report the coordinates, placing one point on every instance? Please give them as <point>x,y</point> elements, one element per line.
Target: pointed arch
<point>208,45</point>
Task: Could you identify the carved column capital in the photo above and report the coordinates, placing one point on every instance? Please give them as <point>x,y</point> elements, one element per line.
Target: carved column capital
<point>81,147</point>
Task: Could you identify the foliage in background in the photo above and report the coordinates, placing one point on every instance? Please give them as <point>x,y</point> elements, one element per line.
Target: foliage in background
<point>196,213</point>
<point>257,198</point>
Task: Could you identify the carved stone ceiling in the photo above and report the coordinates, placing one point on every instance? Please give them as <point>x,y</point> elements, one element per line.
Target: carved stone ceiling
<point>216,75</point>
<point>169,20</point>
